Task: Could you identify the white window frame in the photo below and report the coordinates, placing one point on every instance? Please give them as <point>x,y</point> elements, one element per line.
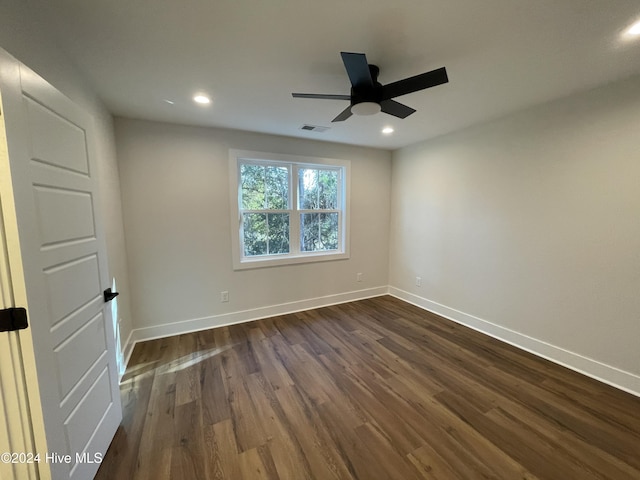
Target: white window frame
<point>240,261</point>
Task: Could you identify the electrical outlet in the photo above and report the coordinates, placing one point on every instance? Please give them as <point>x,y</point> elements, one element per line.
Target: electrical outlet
<point>418,281</point>
<point>224,296</point>
<point>358,277</point>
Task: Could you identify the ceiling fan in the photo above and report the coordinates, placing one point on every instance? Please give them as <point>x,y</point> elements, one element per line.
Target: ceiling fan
<point>368,96</point>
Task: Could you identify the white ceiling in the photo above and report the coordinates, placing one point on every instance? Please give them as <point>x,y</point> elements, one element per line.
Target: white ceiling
<point>250,55</point>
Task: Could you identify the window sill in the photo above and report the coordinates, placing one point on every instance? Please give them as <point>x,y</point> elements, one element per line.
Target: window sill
<point>264,262</point>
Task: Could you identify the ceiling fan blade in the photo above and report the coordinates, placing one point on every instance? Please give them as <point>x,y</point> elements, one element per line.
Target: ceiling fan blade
<point>346,113</point>
<point>413,84</point>
<point>321,96</point>
<point>357,69</point>
<point>396,109</point>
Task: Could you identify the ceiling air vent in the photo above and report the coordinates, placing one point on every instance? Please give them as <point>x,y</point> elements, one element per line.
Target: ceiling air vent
<point>314,128</point>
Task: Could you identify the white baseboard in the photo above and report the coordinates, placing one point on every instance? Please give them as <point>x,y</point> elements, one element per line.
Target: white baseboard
<point>613,376</point>
<point>197,324</point>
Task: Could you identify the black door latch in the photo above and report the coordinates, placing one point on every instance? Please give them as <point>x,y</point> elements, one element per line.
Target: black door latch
<point>12,319</point>
<point>109,295</point>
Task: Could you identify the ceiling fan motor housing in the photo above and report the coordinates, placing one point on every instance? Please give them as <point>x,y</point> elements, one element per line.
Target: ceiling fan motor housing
<point>365,92</point>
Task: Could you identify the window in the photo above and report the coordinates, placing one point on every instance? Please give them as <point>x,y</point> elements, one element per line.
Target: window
<point>287,209</point>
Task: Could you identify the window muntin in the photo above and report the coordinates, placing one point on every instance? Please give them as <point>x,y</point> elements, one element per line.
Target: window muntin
<point>288,211</point>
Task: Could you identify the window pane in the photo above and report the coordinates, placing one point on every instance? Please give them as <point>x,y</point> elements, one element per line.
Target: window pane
<point>318,231</point>
<point>277,187</point>
<point>265,234</point>
<point>278,233</point>
<point>264,187</point>
<point>252,186</point>
<point>255,234</point>
<point>318,189</point>
<point>308,188</point>
<point>329,231</point>
<point>309,232</point>
<point>328,189</point>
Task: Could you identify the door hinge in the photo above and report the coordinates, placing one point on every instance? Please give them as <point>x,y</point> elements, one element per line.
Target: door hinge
<point>12,319</point>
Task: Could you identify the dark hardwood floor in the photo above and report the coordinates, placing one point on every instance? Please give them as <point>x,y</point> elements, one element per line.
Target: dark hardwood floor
<point>375,389</point>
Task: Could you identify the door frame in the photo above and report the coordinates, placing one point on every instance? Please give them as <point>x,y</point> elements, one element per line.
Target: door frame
<point>21,409</point>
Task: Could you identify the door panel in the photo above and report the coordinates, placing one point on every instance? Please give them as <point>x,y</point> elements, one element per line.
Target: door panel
<point>89,343</point>
<point>71,286</point>
<point>75,321</point>
<point>58,141</point>
<point>77,222</point>
<point>86,417</point>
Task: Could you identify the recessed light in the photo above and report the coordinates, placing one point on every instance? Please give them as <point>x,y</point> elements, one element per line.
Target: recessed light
<point>387,130</point>
<point>635,29</point>
<point>202,99</point>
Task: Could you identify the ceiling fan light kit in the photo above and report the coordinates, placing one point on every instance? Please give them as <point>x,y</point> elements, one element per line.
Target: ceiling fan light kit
<point>366,108</point>
<point>368,96</point>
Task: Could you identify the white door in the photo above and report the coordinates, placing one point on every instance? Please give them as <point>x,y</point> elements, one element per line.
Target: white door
<point>53,170</point>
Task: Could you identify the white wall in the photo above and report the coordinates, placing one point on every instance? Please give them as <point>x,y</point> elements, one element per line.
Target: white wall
<point>528,228</point>
<point>175,190</point>
<point>22,35</point>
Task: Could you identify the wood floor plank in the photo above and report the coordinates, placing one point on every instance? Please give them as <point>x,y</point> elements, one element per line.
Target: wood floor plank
<point>252,466</point>
<point>310,447</point>
<point>158,432</point>
<point>517,439</point>
<point>270,366</point>
<point>431,465</point>
<point>360,464</point>
<point>378,444</point>
<point>365,389</point>
<point>216,408</point>
<point>188,447</point>
<point>591,402</point>
<point>247,425</point>
<point>221,454</point>
<point>374,389</point>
